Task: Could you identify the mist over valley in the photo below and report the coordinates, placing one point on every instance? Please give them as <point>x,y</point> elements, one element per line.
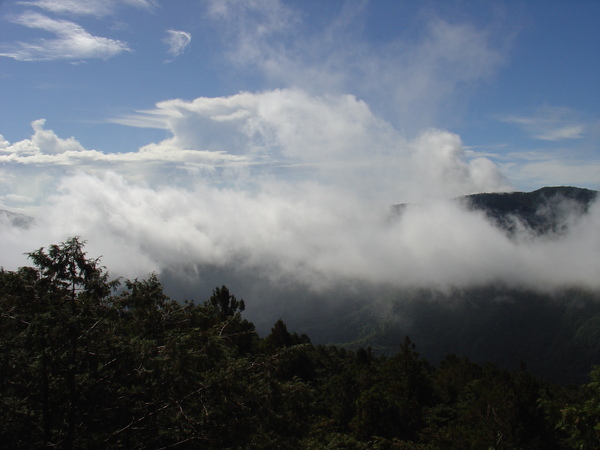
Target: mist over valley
<point>505,277</point>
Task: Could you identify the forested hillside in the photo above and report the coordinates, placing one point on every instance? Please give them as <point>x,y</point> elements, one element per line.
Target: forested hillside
<point>86,363</point>
<point>549,210</point>
<point>546,210</point>
<point>556,334</point>
<point>555,330</point>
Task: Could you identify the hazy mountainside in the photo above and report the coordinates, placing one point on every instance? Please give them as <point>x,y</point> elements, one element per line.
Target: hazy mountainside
<point>549,209</point>
<point>546,210</point>
<point>15,219</point>
<point>556,334</point>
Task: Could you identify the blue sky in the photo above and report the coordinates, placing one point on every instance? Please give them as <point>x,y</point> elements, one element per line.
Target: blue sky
<point>517,80</point>
<point>118,110</point>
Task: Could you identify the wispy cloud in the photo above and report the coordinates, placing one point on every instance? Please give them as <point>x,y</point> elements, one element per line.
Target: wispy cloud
<point>542,167</point>
<point>413,82</point>
<point>550,124</point>
<point>98,8</point>
<point>177,41</point>
<point>72,41</point>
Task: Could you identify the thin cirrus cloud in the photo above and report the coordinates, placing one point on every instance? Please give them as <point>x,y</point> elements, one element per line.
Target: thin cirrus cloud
<point>550,124</point>
<point>540,168</point>
<point>422,78</point>
<point>72,41</point>
<point>176,42</point>
<point>98,8</point>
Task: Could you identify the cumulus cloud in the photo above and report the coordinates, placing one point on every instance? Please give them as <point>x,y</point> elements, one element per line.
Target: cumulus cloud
<point>33,167</point>
<point>274,135</point>
<point>336,140</point>
<point>72,41</point>
<point>293,165</point>
<point>177,41</point>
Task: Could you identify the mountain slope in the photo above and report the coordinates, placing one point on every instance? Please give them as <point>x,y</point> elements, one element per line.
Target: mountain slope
<point>546,210</point>
<point>15,219</point>
<point>557,334</point>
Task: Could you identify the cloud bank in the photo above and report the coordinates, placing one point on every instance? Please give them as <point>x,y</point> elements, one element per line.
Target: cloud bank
<point>286,187</point>
<point>284,135</point>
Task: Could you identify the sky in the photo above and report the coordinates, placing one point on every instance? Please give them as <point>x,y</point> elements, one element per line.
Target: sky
<point>269,138</point>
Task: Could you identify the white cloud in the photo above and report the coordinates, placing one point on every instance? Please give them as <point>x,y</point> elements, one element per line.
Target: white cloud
<point>34,167</point>
<point>281,187</point>
<point>284,136</point>
<point>49,143</point>
<point>334,139</point>
<point>45,147</point>
<point>543,168</point>
<point>413,83</point>
<point>550,124</point>
<point>72,41</point>
<point>441,160</point>
<point>177,41</point>
<point>306,233</point>
<point>279,135</point>
<point>97,8</point>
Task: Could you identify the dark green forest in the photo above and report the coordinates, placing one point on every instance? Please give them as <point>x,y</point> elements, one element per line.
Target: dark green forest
<point>87,362</point>
<point>556,333</point>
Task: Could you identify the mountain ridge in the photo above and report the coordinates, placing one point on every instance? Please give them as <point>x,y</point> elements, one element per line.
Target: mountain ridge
<point>545,210</point>
<point>550,209</point>
<point>16,219</point>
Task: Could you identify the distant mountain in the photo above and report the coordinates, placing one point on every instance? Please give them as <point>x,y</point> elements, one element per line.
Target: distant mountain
<point>547,210</point>
<point>556,334</point>
<point>15,219</point>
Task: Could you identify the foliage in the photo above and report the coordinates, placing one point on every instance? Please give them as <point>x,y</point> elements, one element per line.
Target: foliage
<point>84,366</point>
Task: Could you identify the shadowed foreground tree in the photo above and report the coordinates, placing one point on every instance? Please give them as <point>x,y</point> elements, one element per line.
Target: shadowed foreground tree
<point>55,313</point>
